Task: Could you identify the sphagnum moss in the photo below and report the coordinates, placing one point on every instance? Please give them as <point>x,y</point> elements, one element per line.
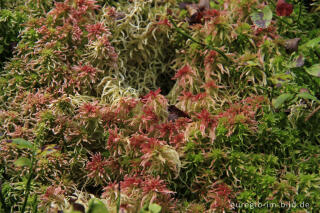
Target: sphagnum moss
<point>83,87</point>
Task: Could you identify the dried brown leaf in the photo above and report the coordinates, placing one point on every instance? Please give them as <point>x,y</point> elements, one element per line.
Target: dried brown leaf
<point>291,45</point>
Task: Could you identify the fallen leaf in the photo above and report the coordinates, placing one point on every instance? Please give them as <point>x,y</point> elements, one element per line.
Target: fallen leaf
<point>300,61</point>
<point>175,113</point>
<point>183,5</point>
<point>192,9</point>
<point>196,11</point>
<point>195,14</point>
<point>291,45</point>
<point>204,4</point>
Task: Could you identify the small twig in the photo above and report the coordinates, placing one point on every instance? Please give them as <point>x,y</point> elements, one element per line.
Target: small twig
<point>119,198</point>
<point>35,205</point>
<point>119,186</point>
<point>312,113</point>
<point>300,9</point>
<point>27,190</point>
<point>182,32</point>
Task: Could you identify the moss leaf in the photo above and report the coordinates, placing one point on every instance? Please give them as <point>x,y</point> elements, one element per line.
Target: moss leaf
<point>22,161</point>
<point>314,70</point>
<point>281,99</point>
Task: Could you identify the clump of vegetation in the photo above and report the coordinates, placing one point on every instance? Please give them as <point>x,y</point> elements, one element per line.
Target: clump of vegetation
<point>160,106</point>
